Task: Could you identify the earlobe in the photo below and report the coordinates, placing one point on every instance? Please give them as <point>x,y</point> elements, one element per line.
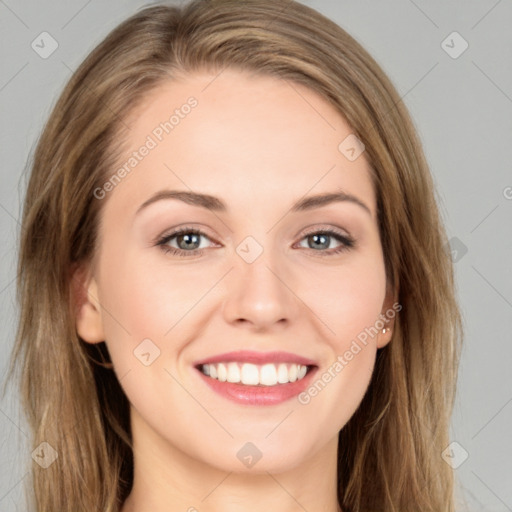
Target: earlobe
<point>88,318</point>
<point>389,311</point>
<point>384,336</point>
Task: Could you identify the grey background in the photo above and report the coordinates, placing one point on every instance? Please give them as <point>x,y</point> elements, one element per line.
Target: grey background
<point>462,108</point>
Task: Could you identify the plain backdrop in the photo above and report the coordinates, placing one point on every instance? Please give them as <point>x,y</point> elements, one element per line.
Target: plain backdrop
<point>451,62</point>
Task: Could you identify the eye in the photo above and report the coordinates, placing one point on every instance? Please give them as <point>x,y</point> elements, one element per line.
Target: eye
<point>322,239</point>
<point>186,241</point>
<point>183,242</point>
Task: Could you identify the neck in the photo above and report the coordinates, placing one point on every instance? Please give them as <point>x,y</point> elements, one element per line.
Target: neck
<point>166,478</point>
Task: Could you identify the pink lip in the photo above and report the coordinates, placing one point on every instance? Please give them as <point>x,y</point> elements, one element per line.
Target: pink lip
<point>248,356</point>
<point>259,395</point>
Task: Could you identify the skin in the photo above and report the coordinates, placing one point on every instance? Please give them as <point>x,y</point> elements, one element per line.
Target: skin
<point>259,145</point>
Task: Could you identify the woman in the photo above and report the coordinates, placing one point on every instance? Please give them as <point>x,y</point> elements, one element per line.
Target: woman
<point>233,281</point>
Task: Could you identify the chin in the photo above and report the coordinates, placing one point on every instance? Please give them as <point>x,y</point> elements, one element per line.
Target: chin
<point>260,457</point>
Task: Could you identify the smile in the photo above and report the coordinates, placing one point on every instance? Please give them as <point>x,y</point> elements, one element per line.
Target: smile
<point>255,378</point>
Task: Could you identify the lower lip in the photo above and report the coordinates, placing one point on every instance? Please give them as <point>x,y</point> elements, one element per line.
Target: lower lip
<point>259,395</point>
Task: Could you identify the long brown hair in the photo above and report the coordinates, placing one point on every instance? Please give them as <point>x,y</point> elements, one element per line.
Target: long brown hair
<point>389,455</point>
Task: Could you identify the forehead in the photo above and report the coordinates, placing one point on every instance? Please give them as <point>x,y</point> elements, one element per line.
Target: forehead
<point>239,136</point>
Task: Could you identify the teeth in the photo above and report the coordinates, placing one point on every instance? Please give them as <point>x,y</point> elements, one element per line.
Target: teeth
<point>282,374</point>
<point>302,372</point>
<point>222,372</point>
<point>233,373</point>
<point>268,375</point>
<point>249,375</point>
<point>253,375</point>
<point>293,373</point>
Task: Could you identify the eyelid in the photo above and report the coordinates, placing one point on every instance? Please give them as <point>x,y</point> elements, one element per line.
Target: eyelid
<point>204,231</point>
<point>323,228</point>
<point>184,228</point>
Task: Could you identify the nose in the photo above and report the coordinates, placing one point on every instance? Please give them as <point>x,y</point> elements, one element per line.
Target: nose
<point>259,296</point>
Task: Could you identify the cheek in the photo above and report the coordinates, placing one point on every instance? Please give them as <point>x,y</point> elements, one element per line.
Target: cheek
<point>341,383</point>
<point>143,301</point>
<point>347,302</point>
<point>347,299</point>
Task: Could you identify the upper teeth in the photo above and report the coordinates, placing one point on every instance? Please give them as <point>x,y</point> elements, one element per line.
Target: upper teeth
<point>251,374</point>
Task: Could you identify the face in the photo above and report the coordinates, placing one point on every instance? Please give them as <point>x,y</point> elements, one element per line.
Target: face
<point>213,258</point>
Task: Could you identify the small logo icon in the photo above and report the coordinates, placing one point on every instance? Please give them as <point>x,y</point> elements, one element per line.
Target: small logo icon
<point>454,45</point>
<point>249,249</point>
<point>45,455</point>
<point>249,454</point>
<point>351,147</point>
<point>457,249</point>
<point>454,454</point>
<point>146,352</point>
<point>44,45</point>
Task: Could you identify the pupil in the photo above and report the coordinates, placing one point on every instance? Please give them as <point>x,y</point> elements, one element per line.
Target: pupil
<point>317,238</point>
<point>188,238</point>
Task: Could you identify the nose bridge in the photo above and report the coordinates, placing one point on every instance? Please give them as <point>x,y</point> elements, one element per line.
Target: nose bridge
<point>257,294</point>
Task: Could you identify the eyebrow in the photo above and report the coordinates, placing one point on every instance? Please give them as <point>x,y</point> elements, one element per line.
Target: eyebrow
<point>217,205</point>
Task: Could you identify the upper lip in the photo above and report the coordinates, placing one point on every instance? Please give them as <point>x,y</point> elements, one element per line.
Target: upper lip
<point>249,356</point>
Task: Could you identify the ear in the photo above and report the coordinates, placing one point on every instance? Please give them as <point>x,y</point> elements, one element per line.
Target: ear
<point>88,319</point>
<point>390,309</point>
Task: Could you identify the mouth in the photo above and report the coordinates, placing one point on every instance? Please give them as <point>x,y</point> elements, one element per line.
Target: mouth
<point>253,378</point>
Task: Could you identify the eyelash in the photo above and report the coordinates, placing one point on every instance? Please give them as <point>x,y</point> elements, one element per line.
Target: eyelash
<point>347,242</point>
